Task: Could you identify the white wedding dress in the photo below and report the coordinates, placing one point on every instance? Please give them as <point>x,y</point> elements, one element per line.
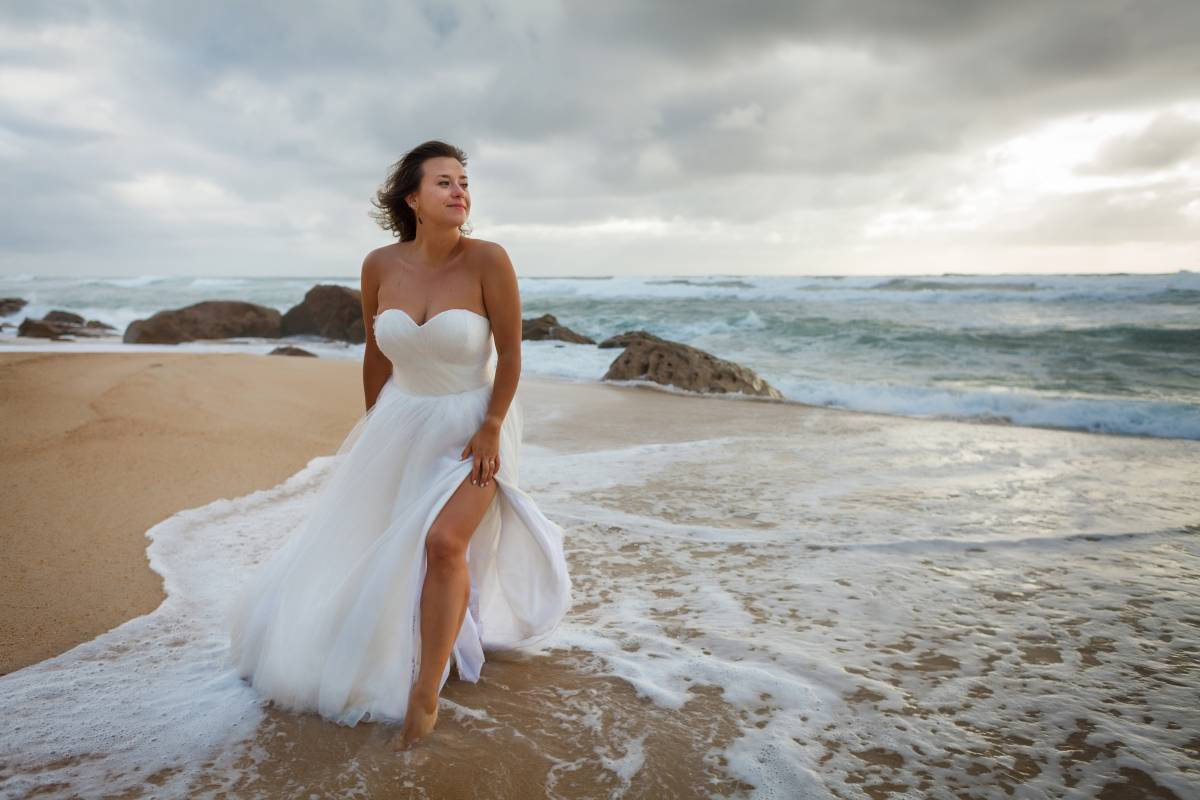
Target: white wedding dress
<point>331,622</point>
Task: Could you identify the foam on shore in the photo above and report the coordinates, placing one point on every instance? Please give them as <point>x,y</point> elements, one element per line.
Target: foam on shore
<point>849,601</point>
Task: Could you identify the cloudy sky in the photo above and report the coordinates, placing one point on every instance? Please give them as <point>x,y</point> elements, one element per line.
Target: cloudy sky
<point>643,137</point>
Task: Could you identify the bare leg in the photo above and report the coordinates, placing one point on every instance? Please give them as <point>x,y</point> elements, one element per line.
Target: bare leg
<point>444,599</point>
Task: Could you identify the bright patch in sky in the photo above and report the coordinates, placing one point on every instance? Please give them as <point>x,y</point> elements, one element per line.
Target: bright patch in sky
<point>1012,178</point>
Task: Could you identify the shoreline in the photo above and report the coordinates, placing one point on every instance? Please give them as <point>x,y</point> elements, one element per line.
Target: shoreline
<point>114,346</point>
<point>96,428</point>
<point>744,575</point>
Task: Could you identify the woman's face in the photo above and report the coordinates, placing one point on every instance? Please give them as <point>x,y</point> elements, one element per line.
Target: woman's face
<point>443,197</point>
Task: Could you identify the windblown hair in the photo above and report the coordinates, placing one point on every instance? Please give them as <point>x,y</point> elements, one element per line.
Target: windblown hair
<point>394,214</point>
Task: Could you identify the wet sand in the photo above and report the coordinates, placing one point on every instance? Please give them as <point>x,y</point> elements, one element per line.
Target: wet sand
<point>98,447</point>
<point>805,601</point>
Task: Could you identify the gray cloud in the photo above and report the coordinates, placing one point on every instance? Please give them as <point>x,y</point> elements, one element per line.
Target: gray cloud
<point>1152,213</point>
<point>1167,140</point>
<point>160,130</point>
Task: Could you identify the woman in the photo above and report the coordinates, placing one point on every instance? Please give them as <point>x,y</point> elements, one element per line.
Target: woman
<point>420,544</point>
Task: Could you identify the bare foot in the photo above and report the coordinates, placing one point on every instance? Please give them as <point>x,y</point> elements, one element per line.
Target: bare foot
<point>419,719</point>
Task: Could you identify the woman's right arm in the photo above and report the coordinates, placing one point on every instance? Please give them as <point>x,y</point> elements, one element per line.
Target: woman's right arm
<point>376,366</point>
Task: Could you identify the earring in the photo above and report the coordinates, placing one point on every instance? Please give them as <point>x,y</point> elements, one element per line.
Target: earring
<point>419,221</point>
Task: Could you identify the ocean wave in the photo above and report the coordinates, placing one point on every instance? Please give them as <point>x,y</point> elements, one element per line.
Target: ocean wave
<point>1179,288</point>
<point>1174,297</point>
<point>216,283</point>
<point>728,283</point>
<point>1094,415</point>
<point>1153,339</point>
<point>918,285</point>
<point>907,291</point>
<point>134,282</point>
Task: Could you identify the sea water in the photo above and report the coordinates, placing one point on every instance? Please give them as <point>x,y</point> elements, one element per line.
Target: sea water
<point>1102,353</point>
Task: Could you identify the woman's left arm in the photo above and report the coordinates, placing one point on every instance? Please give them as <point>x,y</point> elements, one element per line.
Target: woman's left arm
<point>502,300</point>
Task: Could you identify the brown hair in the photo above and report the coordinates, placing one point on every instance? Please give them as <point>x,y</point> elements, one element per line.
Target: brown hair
<point>394,213</point>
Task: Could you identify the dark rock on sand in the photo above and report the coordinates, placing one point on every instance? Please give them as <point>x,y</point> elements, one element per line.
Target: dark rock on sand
<point>11,305</point>
<point>547,327</point>
<point>209,319</point>
<point>676,364</point>
<point>330,311</point>
<point>289,350</point>
<point>63,316</point>
<point>624,339</point>
<point>41,329</point>
<point>62,325</point>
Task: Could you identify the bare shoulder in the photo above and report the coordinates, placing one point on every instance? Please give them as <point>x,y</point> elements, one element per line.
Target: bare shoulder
<point>501,295</point>
<point>372,260</point>
<point>490,256</point>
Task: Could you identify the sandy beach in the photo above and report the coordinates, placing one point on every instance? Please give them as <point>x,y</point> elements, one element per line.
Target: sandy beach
<point>110,444</point>
<point>770,597</point>
<point>97,448</point>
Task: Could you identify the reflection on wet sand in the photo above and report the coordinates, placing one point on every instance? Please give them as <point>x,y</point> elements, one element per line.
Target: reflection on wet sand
<point>533,727</point>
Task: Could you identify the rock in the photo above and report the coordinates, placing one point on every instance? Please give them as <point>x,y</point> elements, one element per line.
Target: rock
<point>63,316</point>
<point>208,319</point>
<point>329,311</point>
<point>677,364</point>
<point>41,329</point>
<point>60,325</point>
<point>547,327</point>
<point>623,339</point>
<point>289,350</point>
<point>11,305</point>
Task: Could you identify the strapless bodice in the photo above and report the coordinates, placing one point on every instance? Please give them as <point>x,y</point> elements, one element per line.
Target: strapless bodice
<point>448,354</point>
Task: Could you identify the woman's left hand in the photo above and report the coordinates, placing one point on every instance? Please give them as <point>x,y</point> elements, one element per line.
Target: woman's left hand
<point>485,447</point>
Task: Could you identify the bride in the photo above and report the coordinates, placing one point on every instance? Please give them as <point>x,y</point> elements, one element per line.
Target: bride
<point>420,544</point>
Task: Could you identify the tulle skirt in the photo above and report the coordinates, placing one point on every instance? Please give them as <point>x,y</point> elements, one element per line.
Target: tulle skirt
<point>331,621</point>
